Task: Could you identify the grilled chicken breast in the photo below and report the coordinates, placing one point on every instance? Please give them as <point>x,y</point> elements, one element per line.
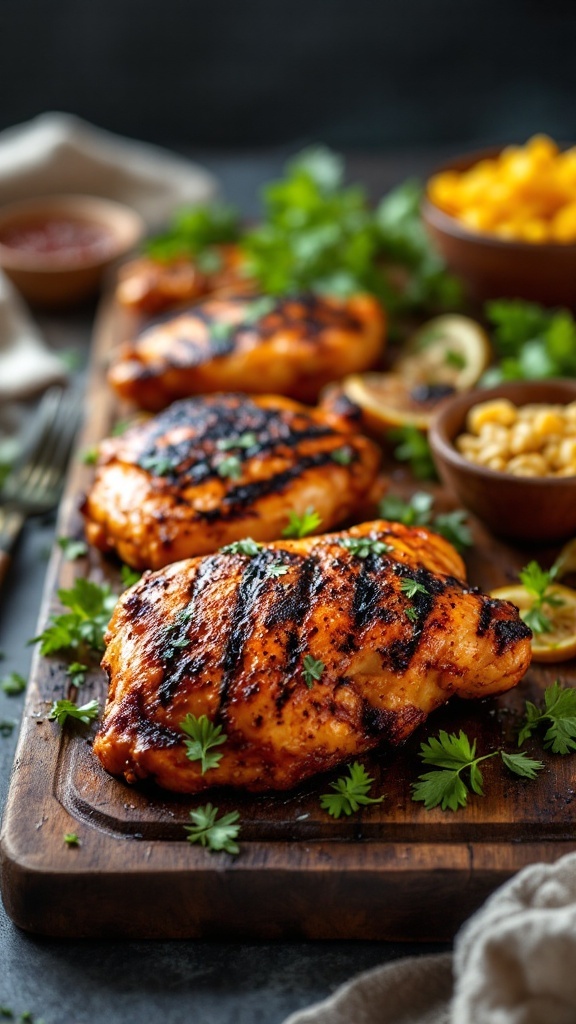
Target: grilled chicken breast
<point>229,636</point>
<point>211,470</point>
<point>290,346</point>
<point>150,286</point>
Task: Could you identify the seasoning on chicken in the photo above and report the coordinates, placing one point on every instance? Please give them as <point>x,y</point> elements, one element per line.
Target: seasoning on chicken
<point>292,345</point>
<point>211,470</point>
<point>150,286</point>
<point>363,634</point>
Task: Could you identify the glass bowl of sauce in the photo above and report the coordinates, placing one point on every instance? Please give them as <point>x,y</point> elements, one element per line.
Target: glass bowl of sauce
<point>55,249</point>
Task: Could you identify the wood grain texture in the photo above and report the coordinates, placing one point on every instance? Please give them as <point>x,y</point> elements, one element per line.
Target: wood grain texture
<point>392,871</point>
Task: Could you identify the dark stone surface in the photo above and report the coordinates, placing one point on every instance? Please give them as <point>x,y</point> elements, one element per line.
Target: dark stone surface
<point>69,982</point>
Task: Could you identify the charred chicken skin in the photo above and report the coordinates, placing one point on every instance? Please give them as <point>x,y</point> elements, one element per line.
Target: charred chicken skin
<point>150,286</point>
<point>211,470</point>
<point>226,636</point>
<point>292,345</point>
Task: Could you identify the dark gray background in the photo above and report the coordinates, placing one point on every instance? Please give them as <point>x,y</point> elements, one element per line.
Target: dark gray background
<point>242,73</point>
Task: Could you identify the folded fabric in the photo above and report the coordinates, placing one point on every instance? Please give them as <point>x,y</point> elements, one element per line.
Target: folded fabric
<point>26,364</point>
<point>56,153</point>
<point>514,963</point>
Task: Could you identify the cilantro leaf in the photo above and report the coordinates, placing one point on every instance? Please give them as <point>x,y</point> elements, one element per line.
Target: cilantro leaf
<point>13,684</point>
<point>204,735</point>
<point>312,670</point>
<point>361,547</point>
<point>214,833</point>
<point>558,714</point>
<point>521,764</point>
<point>62,710</point>
<point>72,548</point>
<point>350,792</point>
<point>247,546</point>
<point>302,525</point>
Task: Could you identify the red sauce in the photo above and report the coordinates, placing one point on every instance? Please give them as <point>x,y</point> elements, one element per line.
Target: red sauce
<point>70,241</point>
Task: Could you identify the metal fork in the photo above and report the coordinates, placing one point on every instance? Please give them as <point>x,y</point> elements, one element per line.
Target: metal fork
<point>34,484</point>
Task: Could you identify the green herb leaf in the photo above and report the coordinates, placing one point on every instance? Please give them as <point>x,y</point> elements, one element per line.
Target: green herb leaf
<point>361,547</point>
<point>62,710</point>
<point>246,440</point>
<point>453,754</point>
<point>204,735</point>
<point>302,525</point>
<point>91,606</point>
<point>230,467</point>
<point>129,576</point>
<point>538,582</point>
<point>195,230</point>
<point>533,342</point>
<point>559,714</point>
<point>72,548</point>
<point>13,684</point>
<point>411,613</point>
<point>257,310</point>
<point>72,839</point>
<point>414,512</point>
<point>277,570</point>
<point>351,792</point>
<point>412,447</point>
<point>89,457</point>
<point>453,526</point>
<point>214,833</point>
<point>158,463</point>
<point>6,727</point>
<point>247,546</point>
<point>343,456</point>
<point>412,587</point>
<point>521,764</point>
<point>77,673</point>
<point>120,427</point>
<point>312,670</point>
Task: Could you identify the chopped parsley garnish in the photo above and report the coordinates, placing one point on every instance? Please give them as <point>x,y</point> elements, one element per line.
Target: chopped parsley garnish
<point>203,736</point>
<point>343,456</point>
<point>247,546</point>
<point>62,710</point>
<point>417,511</point>
<point>412,587</point>
<point>532,342</point>
<point>361,547</point>
<point>222,331</point>
<point>6,727</point>
<point>351,792</point>
<point>230,467</point>
<point>257,310</point>
<point>13,684</point>
<point>277,570</point>
<point>454,755</point>
<point>246,440</point>
<point>90,607</point>
<point>455,359</point>
<point>72,839</point>
<point>121,427</point>
<point>411,613</point>
<point>129,576</point>
<point>312,670</point>
<point>302,525</point>
<point>194,231</point>
<point>72,548</point>
<point>214,833</point>
<point>158,464</point>
<point>89,457</point>
<point>455,529</point>
<point>412,447</point>
<point>77,673</point>
<point>537,582</point>
<point>558,713</point>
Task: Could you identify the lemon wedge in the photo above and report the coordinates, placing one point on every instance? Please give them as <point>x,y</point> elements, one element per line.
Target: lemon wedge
<point>453,350</point>
<point>388,400</point>
<point>559,642</point>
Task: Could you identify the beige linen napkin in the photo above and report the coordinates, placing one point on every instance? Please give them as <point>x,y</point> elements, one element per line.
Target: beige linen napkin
<point>514,963</point>
<point>58,153</point>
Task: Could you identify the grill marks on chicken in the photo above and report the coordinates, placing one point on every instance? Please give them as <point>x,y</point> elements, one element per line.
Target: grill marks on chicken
<point>290,345</point>
<point>208,471</point>
<point>222,636</point>
<point>150,286</point>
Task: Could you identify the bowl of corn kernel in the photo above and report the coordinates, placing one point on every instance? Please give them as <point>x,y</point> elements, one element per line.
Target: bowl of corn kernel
<point>509,454</point>
<point>504,220</point>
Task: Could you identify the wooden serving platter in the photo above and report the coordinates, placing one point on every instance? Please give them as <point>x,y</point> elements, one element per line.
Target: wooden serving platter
<point>391,871</point>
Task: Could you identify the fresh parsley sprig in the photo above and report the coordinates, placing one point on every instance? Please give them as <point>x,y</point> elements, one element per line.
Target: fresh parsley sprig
<point>312,670</point>
<point>194,231</point>
<point>558,713</point>
<point>62,710</point>
<point>13,684</point>
<point>229,468</point>
<point>532,342</point>
<point>204,735</point>
<point>417,511</point>
<point>76,672</point>
<point>452,755</point>
<point>214,833</point>
<point>538,582</point>
<point>242,441</point>
<point>83,626</point>
<point>302,525</point>
<point>72,548</point>
<point>411,587</point>
<point>350,792</point>
<point>412,446</point>
<point>276,570</point>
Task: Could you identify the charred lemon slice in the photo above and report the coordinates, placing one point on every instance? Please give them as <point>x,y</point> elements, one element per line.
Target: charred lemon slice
<point>452,350</point>
<point>558,642</point>
<point>388,400</point>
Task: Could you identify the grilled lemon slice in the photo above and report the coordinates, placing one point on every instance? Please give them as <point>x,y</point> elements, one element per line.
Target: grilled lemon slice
<point>453,350</point>
<point>559,642</point>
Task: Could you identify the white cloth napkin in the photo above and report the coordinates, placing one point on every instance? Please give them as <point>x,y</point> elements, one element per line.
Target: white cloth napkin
<point>514,963</point>
<point>57,153</point>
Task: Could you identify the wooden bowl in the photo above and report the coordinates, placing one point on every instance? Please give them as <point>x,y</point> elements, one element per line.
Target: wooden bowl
<point>491,267</point>
<point>58,277</point>
<point>518,508</point>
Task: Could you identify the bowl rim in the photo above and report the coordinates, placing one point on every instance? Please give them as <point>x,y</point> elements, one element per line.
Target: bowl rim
<point>450,225</point>
<point>126,227</point>
<point>443,447</point>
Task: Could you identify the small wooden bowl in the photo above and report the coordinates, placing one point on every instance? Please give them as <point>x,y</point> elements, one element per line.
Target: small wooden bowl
<point>519,508</point>
<point>57,279</point>
<point>491,267</point>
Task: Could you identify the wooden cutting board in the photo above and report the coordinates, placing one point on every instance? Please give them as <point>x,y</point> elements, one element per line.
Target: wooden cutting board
<point>392,871</point>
